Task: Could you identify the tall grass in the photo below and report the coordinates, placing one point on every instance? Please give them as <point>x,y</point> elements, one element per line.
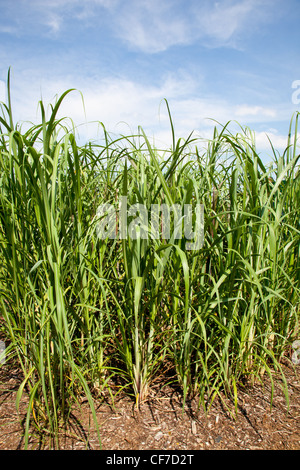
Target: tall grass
<point>79,309</point>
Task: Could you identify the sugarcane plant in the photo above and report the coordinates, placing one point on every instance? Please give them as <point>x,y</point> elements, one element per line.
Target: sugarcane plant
<point>121,261</point>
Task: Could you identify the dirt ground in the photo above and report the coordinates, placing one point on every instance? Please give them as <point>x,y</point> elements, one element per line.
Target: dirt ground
<point>161,423</point>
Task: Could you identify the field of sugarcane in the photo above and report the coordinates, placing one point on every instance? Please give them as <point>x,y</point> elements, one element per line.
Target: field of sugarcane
<point>81,312</point>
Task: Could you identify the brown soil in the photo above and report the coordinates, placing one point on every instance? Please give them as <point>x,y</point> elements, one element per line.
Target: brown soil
<point>161,423</point>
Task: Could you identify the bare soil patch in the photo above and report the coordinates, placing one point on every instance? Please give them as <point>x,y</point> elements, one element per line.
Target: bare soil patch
<point>162,423</point>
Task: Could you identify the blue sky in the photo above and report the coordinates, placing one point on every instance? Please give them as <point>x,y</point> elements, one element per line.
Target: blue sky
<point>212,60</point>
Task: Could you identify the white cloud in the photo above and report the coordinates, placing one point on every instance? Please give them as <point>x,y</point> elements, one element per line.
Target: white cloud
<point>223,19</point>
<point>257,111</point>
<point>154,26</point>
<point>226,22</point>
<point>151,26</point>
<point>54,22</point>
<point>279,142</point>
<point>123,105</point>
<point>8,29</point>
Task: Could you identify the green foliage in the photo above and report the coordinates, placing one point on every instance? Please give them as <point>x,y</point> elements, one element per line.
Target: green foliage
<point>79,310</point>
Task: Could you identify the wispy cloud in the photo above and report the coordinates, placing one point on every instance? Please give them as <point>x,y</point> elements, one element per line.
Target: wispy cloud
<point>123,104</point>
<point>10,29</point>
<point>257,111</point>
<point>224,21</point>
<point>54,22</point>
<point>122,86</point>
<point>152,26</point>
